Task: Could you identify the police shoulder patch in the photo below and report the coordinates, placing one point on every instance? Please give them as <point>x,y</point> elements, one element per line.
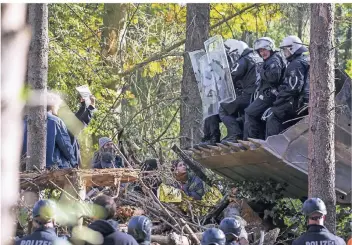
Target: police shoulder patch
<point>273,65</point>
<point>293,73</point>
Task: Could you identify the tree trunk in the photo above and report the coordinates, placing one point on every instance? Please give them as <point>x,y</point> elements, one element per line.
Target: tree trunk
<point>337,33</point>
<point>321,144</point>
<point>15,38</point>
<point>37,78</point>
<point>191,106</point>
<point>300,11</point>
<point>114,21</point>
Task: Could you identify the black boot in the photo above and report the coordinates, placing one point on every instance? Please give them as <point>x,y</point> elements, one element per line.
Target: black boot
<point>230,138</point>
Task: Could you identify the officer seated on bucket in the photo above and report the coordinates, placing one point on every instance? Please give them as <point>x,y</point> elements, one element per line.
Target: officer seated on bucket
<point>43,222</point>
<point>270,76</point>
<point>243,61</point>
<point>315,211</point>
<point>213,236</point>
<point>140,227</point>
<point>292,90</point>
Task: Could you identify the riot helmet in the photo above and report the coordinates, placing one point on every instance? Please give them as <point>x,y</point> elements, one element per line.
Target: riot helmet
<point>230,226</point>
<point>235,48</point>
<point>290,45</point>
<point>265,47</point>
<point>44,210</point>
<point>213,236</point>
<point>264,43</point>
<point>140,227</point>
<point>314,205</point>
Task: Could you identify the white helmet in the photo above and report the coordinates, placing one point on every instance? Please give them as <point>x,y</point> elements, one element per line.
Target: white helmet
<point>290,45</point>
<point>233,45</point>
<point>265,43</point>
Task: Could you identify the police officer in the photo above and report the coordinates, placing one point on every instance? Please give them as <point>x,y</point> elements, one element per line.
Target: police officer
<point>140,227</point>
<point>270,76</point>
<point>232,230</point>
<point>213,236</point>
<point>289,93</point>
<point>43,222</point>
<point>243,61</point>
<point>315,211</point>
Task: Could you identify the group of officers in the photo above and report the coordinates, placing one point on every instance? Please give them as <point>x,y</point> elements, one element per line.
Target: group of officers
<point>270,89</point>
<point>106,230</point>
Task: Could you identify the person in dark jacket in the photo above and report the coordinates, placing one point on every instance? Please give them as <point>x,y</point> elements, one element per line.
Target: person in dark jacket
<point>43,222</point>
<point>243,62</point>
<point>107,227</point>
<point>315,211</point>
<point>189,183</point>
<point>270,77</point>
<point>84,114</point>
<point>107,156</point>
<point>59,149</point>
<point>288,99</point>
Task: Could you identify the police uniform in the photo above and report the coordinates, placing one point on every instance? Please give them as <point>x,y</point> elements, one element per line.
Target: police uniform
<point>287,102</point>
<point>41,236</point>
<point>271,77</point>
<point>318,235</point>
<point>243,74</point>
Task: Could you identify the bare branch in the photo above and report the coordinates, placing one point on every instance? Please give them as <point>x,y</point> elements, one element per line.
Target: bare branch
<point>178,44</point>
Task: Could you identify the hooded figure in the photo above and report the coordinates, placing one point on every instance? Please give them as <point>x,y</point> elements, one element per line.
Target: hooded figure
<point>107,156</point>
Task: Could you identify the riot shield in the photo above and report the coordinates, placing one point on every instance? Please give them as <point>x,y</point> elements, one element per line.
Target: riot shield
<point>210,102</point>
<point>195,57</point>
<point>216,54</point>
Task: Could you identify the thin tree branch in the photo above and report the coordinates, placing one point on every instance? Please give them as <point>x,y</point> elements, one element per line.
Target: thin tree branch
<point>167,127</point>
<point>178,44</point>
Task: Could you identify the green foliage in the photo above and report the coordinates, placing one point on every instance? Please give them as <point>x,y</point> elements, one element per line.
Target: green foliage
<point>265,191</point>
<point>343,221</point>
<point>349,68</point>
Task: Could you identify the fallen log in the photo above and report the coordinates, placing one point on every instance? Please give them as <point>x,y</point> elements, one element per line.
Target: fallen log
<point>172,239</point>
<point>188,230</point>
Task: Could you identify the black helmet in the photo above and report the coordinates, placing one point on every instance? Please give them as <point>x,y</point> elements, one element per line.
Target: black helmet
<point>140,227</point>
<point>231,226</point>
<point>213,236</point>
<point>44,209</point>
<point>314,205</point>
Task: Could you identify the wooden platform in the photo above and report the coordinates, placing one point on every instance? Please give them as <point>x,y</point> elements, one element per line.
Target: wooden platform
<point>88,177</point>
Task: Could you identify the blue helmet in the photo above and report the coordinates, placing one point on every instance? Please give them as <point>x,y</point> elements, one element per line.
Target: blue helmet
<point>44,209</point>
<point>231,226</point>
<point>213,236</point>
<point>140,227</point>
<point>314,205</point>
